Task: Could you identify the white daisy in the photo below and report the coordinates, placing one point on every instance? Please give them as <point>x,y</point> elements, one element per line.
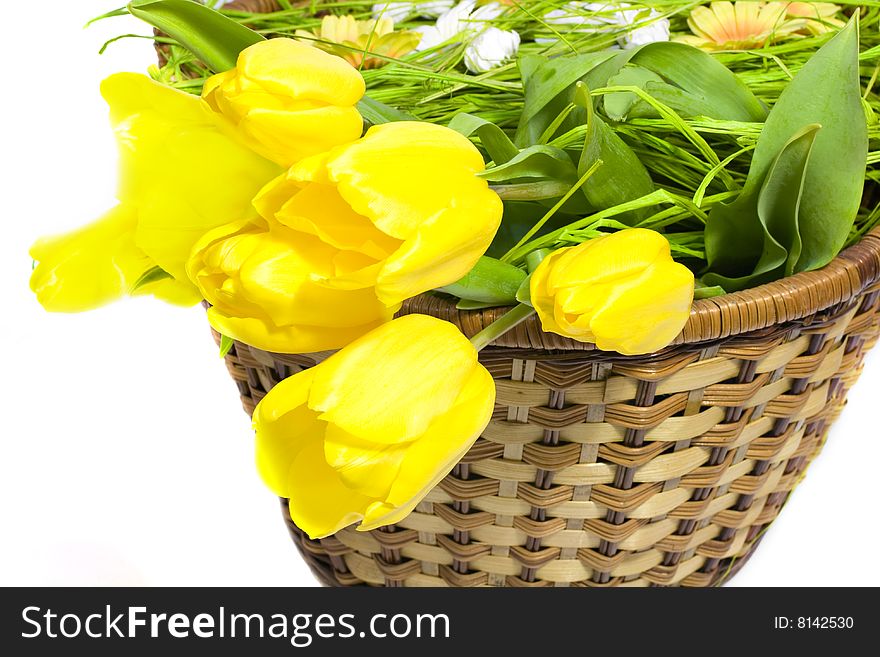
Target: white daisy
<point>486,46</point>
<point>491,49</point>
<point>587,17</point>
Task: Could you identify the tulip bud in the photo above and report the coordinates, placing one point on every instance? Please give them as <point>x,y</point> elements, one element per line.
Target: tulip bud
<point>346,236</point>
<point>265,288</point>
<point>287,100</point>
<point>96,264</point>
<point>623,292</point>
<point>365,435</point>
<point>159,129</point>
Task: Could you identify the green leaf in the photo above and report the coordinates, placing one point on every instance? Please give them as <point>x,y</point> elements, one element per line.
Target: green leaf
<point>209,35</point>
<point>544,162</point>
<point>497,144</point>
<point>715,90</point>
<point>708,87</point>
<point>777,207</point>
<point>622,177</point>
<point>535,258</point>
<point>532,191</point>
<point>377,113</point>
<point>548,85</point>
<point>524,293</point>
<point>780,198</point>
<point>707,292</point>
<point>152,275</point>
<point>617,105</point>
<point>490,281</point>
<point>826,91</point>
<point>226,344</point>
<point>682,102</point>
<point>620,105</point>
<point>519,218</point>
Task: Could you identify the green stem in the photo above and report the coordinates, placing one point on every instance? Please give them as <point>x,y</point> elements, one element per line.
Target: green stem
<point>536,191</point>
<point>502,325</point>
<point>543,220</point>
<point>490,281</point>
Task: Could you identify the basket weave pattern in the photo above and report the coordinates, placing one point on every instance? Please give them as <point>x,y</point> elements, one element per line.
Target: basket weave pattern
<point>602,470</point>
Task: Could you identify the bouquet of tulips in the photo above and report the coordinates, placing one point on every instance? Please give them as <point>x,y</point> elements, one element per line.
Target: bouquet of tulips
<point>599,164</point>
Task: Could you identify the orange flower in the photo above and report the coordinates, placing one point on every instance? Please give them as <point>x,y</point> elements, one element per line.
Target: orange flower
<point>739,25</point>
<point>819,17</point>
<point>354,40</point>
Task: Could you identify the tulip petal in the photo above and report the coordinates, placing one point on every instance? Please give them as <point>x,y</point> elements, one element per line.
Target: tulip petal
<point>159,130</point>
<point>279,280</point>
<point>648,314</point>
<point>544,302</point>
<point>287,100</point>
<point>416,182</point>
<point>216,259</point>
<point>610,258</point>
<point>320,504</point>
<point>284,424</point>
<point>299,134</point>
<point>267,289</point>
<point>97,264</point>
<point>291,339</point>
<point>430,458</point>
<point>170,290</point>
<point>289,68</point>
<point>384,176</point>
<point>132,95</point>
<point>367,467</point>
<point>445,249</point>
<point>318,209</point>
<point>413,369</point>
<point>275,194</point>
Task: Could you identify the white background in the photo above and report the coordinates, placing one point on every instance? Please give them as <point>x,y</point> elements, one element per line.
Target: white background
<point>125,455</point>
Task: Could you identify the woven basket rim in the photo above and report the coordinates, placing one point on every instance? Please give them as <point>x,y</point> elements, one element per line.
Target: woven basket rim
<point>791,298</point>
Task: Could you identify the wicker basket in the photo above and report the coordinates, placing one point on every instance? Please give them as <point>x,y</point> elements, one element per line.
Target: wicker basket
<point>602,470</point>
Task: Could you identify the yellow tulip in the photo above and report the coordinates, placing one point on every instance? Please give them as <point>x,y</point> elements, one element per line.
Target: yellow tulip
<point>273,288</point>
<point>97,264</point>
<point>287,100</point>
<point>180,176</point>
<point>346,237</point>
<point>623,292</point>
<point>365,435</point>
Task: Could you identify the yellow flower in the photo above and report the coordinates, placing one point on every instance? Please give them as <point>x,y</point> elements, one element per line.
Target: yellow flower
<point>282,290</point>
<point>622,292</point>
<point>366,434</point>
<point>346,237</point>
<point>97,264</point>
<point>180,176</point>
<point>288,101</point>
<point>738,25</point>
<point>363,44</point>
<point>818,17</point>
